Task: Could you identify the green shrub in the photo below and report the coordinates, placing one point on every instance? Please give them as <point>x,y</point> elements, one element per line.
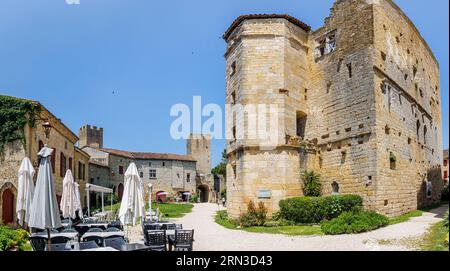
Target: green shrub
<point>309,210</point>
<point>11,238</point>
<point>354,222</point>
<point>193,198</point>
<point>254,216</point>
<point>445,194</point>
<point>311,184</point>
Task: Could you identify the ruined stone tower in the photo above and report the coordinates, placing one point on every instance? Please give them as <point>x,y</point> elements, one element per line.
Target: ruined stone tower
<point>91,137</point>
<point>357,100</point>
<point>199,147</point>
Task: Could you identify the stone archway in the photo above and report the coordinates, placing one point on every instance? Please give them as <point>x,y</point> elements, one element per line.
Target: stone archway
<point>8,201</point>
<point>203,193</point>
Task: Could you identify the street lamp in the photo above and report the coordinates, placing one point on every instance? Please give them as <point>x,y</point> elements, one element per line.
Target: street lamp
<point>47,127</point>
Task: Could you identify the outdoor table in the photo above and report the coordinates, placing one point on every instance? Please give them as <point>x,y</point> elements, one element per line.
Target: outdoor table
<point>134,247</point>
<point>93,225</point>
<point>101,249</point>
<point>71,235</point>
<point>105,234</point>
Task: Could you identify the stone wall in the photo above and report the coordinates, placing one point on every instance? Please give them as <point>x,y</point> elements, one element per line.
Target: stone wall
<point>353,92</point>
<point>60,138</point>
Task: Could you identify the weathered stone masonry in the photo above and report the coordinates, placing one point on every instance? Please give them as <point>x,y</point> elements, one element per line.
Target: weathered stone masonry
<point>362,93</point>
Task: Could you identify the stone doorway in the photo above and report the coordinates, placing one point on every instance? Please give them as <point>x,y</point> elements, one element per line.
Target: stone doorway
<point>8,206</point>
<point>203,191</point>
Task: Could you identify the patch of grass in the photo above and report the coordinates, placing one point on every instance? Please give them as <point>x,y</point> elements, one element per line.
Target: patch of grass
<point>435,238</point>
<point>169,210</point>
<point>173,210</point>
<point>221,218</point>
<point>405,217</point>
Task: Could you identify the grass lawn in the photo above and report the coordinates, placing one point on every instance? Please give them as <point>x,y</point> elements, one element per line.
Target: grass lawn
<point>173,210</point>
<point>435,238</point>
<point>169,210</point>
<point>221,218</point>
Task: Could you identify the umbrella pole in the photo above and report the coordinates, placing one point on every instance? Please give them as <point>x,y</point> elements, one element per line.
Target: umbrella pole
<point>49,240</point>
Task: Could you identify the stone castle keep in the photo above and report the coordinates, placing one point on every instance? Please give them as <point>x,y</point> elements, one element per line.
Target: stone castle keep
<point>359,100</point>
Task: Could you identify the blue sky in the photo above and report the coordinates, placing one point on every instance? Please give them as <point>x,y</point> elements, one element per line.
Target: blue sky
<point>151,54</point>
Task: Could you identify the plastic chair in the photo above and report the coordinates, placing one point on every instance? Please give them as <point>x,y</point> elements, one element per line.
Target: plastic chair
<point>38,243</point>
<point>88,245</point>
<point>69,230</point>
<point>95,230</point>
<point>59,240</point>
<point>156,240</point>
<point>112,229</point>
<point>184,240</point>
<point>116,242</point>
<point>96,239</point>
<point>168,227</point>
<point>57,247</point>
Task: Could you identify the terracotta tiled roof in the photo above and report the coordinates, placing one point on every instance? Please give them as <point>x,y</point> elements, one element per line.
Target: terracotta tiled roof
<point>242,18</point>
<point>149,155</point>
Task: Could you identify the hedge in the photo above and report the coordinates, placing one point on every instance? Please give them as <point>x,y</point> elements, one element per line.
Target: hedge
<point>354,222</point>
<point>311,210</point>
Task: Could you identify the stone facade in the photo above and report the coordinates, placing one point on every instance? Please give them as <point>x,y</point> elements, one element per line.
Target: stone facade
<point>66,155</point>
<point>171,173</point>
<point>357,100</point>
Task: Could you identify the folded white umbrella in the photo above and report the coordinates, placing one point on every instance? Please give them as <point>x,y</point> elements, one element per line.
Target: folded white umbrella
<point>44,208</point>
<point>25,191</point>
<point>69,197</point>
<point>132,206</point>
<point>78,198</point>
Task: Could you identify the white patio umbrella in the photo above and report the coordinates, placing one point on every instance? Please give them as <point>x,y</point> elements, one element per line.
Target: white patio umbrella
<point>132,206</point>
<point>44,212</point>
<point>69,197</point>
<point>25,191</point>
<point>78,198</point>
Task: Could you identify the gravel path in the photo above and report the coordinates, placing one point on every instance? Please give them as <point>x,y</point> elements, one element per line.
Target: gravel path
<point>210,236</point>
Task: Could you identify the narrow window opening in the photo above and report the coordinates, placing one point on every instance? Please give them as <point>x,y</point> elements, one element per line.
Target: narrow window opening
<point>233,68</point>
<point>335,188</point>
<point>301,124</point>
<point>350,72</point>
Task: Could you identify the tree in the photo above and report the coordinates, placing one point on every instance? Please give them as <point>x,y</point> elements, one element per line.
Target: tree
<point>221,168</point>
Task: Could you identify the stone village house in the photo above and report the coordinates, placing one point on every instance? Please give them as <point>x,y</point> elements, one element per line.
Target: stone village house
<point>359,102</point>
<point>91,163</point>
<point>171,173</point>
<point>66,156</point>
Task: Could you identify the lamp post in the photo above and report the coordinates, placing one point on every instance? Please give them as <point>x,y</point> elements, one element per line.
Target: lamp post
<point>150,186</point>
<point>47,127</point>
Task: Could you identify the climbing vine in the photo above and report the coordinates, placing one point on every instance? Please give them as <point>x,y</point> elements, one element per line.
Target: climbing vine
<point>14,115</point>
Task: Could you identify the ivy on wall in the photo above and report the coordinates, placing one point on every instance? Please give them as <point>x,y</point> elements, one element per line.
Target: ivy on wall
<point>14,115</point>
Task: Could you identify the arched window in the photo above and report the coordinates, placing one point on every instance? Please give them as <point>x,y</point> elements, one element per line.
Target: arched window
<point>335,188</point>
